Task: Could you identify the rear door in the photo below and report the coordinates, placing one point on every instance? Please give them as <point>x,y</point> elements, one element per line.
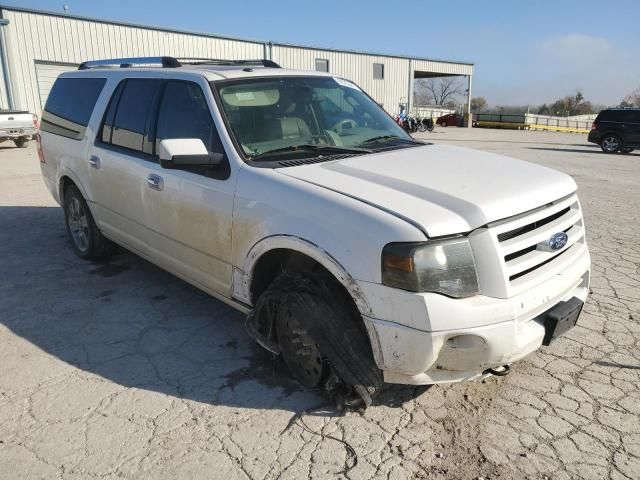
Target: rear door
<point>188,213</point>
<point>120,160</point>
<point>631,127</point>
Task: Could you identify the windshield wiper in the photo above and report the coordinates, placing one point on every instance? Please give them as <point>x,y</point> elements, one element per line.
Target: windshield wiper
<point>389,137</point>
<point>331,149</point>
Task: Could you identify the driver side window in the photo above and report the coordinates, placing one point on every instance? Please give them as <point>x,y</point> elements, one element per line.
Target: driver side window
<point>184,113</point>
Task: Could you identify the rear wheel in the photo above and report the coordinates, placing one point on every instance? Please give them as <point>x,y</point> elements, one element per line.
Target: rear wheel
<point>87,241</point>
<point>21,142</point>
<point>610,143</point>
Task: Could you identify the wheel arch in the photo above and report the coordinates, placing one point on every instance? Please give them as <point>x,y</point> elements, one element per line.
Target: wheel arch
<point>266,255</point>
<point>264,263</point>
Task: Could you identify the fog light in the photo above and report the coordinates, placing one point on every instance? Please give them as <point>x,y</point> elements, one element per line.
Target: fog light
<point>466,342</point>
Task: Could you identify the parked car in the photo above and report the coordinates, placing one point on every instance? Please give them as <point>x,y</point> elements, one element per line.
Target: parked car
<point>17,125</point>
<point>360,255</point>
<point>450,119</point>
<point>616,130</point>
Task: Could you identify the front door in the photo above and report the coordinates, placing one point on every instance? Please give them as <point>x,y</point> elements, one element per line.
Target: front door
<point>188,213</point>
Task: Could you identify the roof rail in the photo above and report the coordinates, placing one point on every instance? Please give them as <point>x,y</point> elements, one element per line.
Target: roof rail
<point>220,61</point>
<point>169,62</point>
<point>166,62</point>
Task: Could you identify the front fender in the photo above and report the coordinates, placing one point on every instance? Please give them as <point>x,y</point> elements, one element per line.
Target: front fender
<point>242,277</point>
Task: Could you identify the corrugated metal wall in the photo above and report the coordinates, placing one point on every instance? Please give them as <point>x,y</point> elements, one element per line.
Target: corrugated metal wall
<point>356,67</point>
<point>36,38</point>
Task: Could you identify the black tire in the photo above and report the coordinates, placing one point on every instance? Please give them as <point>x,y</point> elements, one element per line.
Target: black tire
<point>20,142</point>
<point>95,246</point>
<point>443,123</point>
<point>626,150</point>
<point>610,143</point>
<point>323,314</point>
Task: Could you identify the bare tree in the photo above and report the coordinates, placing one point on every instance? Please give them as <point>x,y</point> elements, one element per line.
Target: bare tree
<point>632,100</point>
<point>478,104</point>
<point>441,91</point>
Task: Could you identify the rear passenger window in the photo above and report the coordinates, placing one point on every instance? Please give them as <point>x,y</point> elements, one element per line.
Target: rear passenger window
<point>184,113</point>
<point>132,113</point>
<point>69,106</point>
<point>630,116</point>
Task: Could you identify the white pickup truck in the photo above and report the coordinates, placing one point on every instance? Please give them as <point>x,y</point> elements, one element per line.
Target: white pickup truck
<point>17,125</point>
<point>360,255</point>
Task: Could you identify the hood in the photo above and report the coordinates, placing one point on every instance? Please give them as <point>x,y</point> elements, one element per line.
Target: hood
<point>441,189</point>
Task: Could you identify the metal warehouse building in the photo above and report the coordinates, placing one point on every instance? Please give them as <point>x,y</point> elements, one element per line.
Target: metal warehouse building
<point>37,46</point>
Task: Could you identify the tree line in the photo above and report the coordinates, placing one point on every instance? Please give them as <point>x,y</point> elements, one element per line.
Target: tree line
<point>448,92</point>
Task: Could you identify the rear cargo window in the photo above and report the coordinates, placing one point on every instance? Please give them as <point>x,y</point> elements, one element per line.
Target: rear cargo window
<point>69,106</point>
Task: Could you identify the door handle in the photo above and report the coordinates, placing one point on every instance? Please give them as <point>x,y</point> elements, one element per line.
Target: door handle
<point>155,181</point>
<point>95,162</point>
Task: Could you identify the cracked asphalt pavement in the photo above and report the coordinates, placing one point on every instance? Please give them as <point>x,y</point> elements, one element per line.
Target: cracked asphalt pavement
<point>119,369</point>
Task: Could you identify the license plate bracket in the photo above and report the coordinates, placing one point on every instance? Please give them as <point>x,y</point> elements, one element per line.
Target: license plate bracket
<point>561,318</point>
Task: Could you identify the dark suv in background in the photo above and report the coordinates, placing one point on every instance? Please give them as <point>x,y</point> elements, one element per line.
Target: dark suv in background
<point>617,129</point>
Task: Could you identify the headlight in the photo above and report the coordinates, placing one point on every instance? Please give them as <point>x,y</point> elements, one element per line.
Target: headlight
<point>440,266</point>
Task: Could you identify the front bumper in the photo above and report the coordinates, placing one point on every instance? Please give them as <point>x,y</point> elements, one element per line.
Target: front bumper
<point>414,335</point>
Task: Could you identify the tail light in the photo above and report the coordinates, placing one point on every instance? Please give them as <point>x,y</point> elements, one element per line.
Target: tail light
<point>39,148</point>
<point>594,126</point>
<point>36,124</point>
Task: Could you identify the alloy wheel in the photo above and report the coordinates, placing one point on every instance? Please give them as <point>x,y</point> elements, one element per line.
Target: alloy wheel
<point>78,224</point>
<point>610,144</point>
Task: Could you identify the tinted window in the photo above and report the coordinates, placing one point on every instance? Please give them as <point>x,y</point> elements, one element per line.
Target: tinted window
<point>184,113</point>
<point>630,116</point>
<point>70,104</point>
<point>135,103</point>
<point>107,124</point>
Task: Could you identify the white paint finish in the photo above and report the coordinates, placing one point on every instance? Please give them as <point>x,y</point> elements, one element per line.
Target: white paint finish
<point>407,355</point>
<point>46,74</point>
<point>269,203</point>
<point>444,189</point>
<point>16,122</point>
<point>181,146</point>
<point>242,278</point>
<point>341,213</point>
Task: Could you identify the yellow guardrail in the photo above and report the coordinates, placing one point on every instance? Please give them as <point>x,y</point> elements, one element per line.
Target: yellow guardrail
<point>528,126</point>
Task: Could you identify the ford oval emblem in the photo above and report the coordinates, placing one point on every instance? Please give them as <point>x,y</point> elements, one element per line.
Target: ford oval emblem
<point>558,240</point>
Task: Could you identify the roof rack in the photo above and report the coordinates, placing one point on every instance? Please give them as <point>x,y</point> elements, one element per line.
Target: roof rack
<point>169,62</point>
<point>218,61</point>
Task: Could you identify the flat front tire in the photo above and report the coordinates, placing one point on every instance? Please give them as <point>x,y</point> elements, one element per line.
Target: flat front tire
<point>86,239</point>
<point>320,337</point>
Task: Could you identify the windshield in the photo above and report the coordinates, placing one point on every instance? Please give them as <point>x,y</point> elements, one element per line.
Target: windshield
<point>280,114</point>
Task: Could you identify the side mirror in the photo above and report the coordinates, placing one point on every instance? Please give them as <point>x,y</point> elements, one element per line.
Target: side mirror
<point>186,152</point>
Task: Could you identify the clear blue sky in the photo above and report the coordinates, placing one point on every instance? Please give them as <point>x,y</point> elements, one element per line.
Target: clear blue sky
<point>525,51</point>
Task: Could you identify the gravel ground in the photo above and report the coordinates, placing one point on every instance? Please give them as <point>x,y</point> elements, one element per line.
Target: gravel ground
<point>121,370</point>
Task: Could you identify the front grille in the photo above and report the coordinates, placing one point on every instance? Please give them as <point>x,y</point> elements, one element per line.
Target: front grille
<point>532,226</point>
<point>523,241</point>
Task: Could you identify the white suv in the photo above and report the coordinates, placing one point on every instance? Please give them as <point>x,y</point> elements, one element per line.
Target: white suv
<point>360,255</point>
